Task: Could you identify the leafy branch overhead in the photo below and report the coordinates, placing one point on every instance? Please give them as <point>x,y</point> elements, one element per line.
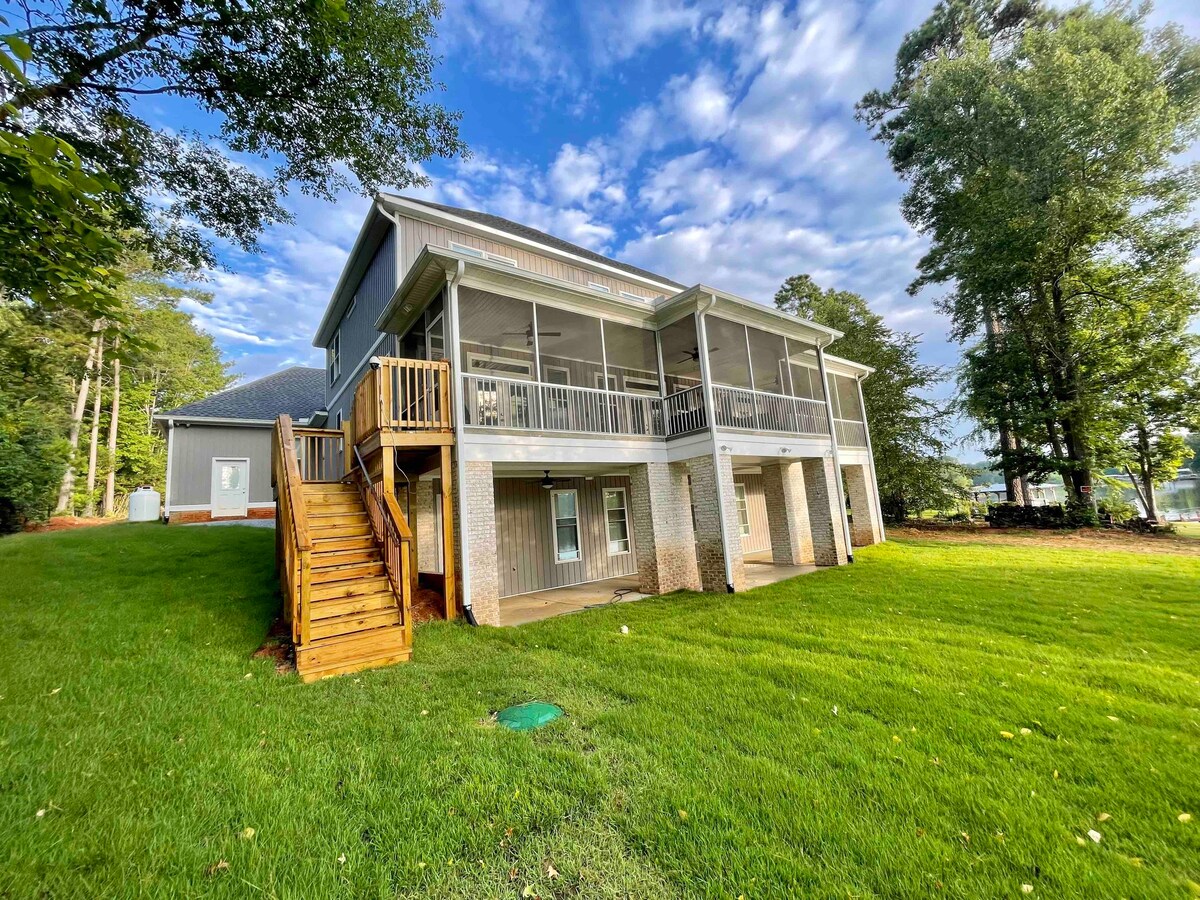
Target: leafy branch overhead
<point>330,94</point>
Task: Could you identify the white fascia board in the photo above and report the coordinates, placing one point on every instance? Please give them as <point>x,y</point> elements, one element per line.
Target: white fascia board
<point>847,366</point>
<point>216,420</point>
<point>772,446</point>
<point>420,211</point>
<point>537,447</point>
<point>768,318</point>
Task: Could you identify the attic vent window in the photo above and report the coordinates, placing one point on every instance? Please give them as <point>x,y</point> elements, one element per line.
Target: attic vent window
<point>482,254</point>
<point>599,287</point>
<point>638,297</point>
<point>469,251</point>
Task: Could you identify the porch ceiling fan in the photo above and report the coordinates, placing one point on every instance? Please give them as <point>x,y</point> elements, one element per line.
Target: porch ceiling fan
<point>528,332</point>
<point>694,353</point>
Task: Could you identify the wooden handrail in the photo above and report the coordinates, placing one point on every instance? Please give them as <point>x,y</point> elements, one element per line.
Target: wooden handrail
<point>402,395</point>
<point>293,482</point>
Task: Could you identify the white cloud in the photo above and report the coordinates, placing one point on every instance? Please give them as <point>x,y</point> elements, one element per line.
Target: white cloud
<point>700,104</point>
<point>575,174</point>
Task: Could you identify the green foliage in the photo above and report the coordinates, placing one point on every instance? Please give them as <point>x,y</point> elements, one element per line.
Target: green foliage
<point>909,431</point>
<point>334,93</point>
<point>1039,148</point>
<point>129,719</point>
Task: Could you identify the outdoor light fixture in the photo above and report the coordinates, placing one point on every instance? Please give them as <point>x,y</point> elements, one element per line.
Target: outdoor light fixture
<point>547,482</point>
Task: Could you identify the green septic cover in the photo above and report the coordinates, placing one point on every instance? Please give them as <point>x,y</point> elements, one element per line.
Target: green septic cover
<point>527,716</point>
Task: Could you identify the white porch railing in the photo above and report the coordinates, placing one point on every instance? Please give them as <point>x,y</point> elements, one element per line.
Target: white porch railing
<point>850,433</point>
<point>510,403</point>
<point>490,402</point>
<point>760,411</point>
<point>684,412</point>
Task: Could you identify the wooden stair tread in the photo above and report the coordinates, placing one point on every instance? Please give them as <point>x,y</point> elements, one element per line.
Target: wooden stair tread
<point>347,572</point>
<point>353,624</point>
<point>341,606</point>
<point>354,587</point>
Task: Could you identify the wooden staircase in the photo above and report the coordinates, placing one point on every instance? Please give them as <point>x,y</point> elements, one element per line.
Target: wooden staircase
<point>343,549</point>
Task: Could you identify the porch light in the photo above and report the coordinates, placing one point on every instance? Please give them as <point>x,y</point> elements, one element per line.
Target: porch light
<point>547,482</point>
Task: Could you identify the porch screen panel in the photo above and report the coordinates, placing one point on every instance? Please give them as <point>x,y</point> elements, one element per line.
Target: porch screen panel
<point>769,361</point>
<point>632,358</point>
<point>727,359</point>
<point>497,360</point>
<point>572,358</point>
<point>806,379</point>
<point>848,406</point>
<point>681,355</point>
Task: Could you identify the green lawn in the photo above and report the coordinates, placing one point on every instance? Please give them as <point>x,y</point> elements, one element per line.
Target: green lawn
<point>840,735</point>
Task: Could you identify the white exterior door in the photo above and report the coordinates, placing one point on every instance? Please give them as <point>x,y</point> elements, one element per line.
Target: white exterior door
<point>230,487</point>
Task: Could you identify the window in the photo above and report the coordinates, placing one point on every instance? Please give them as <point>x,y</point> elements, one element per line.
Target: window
<point>335,357</point>
<point>564,506</point>
<point>599,287</point>
<point>350,308</point>
<point>469,251</point>
<point>743,509</point>
<point>617,519</point>
<point>498,366</point>
<point>641,386</point>
<point>600,381</point>
<point>337,420</point>
<point>560,375</point>
<point>506,260</point>
<point>631,296</point>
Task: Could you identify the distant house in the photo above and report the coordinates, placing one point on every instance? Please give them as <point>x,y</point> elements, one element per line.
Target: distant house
<point>219,448</point>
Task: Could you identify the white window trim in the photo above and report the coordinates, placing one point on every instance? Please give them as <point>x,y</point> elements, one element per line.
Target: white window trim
<point>624,509</point>
<point>578,531</point>
<point>351,307</point>
<point>603,288</point>
<point>496,257</point>
<point>742,502</point>
<point>650,389</point>
<point>335,357</point>
<point>602,383</point>
<point>472,369</point>
<point>337,420</point>
<point>631,296</point>
<point>546,367</point>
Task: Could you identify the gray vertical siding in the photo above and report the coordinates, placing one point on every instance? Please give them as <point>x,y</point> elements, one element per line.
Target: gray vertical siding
<point>193,448</point>
<point>756,505</point>
<point>358,329</point>
<point>525,543</point>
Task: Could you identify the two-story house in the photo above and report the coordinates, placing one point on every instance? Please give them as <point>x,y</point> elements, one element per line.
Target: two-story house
<point>517,413</point>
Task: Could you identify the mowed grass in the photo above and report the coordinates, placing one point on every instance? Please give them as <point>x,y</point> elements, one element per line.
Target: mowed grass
<point>839,735</point>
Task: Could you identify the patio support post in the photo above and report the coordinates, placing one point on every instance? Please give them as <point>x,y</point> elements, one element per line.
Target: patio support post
<point>837,463</point>
<point>662,528</point>
<point>787,514</point>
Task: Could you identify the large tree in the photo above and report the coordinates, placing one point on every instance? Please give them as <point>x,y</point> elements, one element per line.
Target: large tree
<point>1038,147</point>
<point>331,94</point>
<point>909,430</point>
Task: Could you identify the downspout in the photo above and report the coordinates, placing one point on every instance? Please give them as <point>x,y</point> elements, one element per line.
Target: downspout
<point>710,405</point>
<point>399,249</point>
<point>862,404</point>
<point>837,460</point>
<point>460,464</point>
<point>167,486</point>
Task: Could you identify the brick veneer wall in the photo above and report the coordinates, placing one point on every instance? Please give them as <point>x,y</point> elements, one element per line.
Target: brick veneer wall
<point>787,513</point>
<point>864,526</point>
<point>709,526</point>
<point>191,516</point>
<point>828,537</point>
<point>662,528</point>
<point>424,525</point>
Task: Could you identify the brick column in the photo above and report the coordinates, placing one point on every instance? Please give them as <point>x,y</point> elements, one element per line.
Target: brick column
<point>662,528</point>
<point>829,540</point>
<point>480,529</point>
<point>424,525</point>
<point>864,527</point>
<point>787,513</point>
<point>709,527</point>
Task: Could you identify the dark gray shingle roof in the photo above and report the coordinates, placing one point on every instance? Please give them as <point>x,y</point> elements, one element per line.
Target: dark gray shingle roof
<point>297,392</point>
<point>541,237</point>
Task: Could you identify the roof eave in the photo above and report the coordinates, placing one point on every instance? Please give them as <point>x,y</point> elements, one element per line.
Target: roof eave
<point>330,320</point>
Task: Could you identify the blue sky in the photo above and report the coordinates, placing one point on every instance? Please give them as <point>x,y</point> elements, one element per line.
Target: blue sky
<point>708,141</point>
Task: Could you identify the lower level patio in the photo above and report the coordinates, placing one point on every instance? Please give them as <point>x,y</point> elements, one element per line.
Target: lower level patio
<point>522,609</point>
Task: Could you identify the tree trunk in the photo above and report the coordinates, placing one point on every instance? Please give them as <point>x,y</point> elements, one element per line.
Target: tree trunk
<point>1014,483</point>
<point>110,483</point>
<point>90,509</point>
<point>1067,391</point>
<point>67,489</point>
<point>1146,464</point>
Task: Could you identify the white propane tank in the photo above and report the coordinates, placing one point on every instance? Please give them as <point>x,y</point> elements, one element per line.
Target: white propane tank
<point>143,504</point>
